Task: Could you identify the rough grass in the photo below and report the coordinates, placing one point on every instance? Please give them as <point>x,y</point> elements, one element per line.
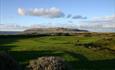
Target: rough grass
<point>72,48</point>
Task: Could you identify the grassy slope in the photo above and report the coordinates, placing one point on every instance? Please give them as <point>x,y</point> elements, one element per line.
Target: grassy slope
<point>79,57</point>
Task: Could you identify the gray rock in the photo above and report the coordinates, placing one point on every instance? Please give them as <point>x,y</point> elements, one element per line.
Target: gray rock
<point>47,63</point>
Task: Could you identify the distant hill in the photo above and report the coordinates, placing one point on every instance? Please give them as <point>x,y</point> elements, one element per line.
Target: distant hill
<point>53,30</point>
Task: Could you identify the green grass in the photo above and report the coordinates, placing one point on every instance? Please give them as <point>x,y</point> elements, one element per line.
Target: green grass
<point>78,57</point>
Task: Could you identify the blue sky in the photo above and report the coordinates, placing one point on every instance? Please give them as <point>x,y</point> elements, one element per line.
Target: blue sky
<point>85,8</point>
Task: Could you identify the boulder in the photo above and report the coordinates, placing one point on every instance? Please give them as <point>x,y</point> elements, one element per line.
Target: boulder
<point>47,63</point>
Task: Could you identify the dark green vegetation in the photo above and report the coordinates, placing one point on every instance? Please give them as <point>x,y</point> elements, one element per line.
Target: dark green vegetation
<point>82,51</point>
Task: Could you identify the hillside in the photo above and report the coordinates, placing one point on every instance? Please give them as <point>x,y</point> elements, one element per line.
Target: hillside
<point>53,30</point>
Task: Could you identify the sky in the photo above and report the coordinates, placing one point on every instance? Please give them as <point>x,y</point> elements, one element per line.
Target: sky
<point>84,14</point>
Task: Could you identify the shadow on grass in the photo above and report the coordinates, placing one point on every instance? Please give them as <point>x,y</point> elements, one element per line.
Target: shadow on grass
<point>94,65</point>
<point>6,48</point>
<point>81,64</point>
<point>23,57</point>
<point>7,39</point>
<point>84,64</point>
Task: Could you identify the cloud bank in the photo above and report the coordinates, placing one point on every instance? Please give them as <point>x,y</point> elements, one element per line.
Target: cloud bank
<point>52,12</point>
<point>103,24</point>
<point>12,27</point>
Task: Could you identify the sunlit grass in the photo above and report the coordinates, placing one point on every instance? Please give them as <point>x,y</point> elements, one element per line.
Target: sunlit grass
<point>79,57</point>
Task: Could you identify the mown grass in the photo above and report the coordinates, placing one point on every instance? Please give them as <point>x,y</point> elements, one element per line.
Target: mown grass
<point>79,50</point>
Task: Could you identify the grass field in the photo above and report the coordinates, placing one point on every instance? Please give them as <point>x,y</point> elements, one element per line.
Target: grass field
<point>80,51</point>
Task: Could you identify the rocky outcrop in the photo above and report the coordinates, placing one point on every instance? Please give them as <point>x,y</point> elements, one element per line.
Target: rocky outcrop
<point>47,63</point>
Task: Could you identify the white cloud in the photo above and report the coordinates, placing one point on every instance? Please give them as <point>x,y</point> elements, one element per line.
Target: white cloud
<point>21,11</point>
<point>79,17</point>
<point>52,12</point>
<point>76,16</point>
<point>69,16</point>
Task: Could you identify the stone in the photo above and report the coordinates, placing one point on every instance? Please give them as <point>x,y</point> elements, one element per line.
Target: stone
<point>47,63</point>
